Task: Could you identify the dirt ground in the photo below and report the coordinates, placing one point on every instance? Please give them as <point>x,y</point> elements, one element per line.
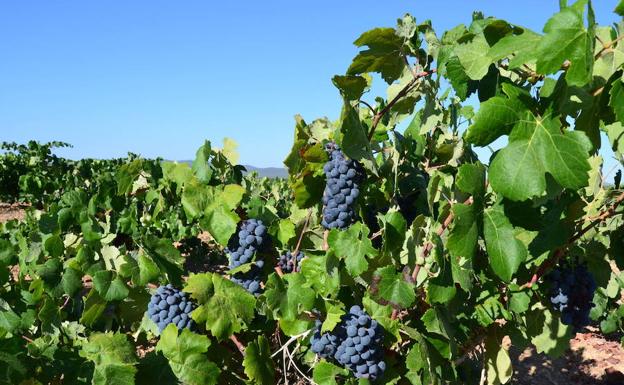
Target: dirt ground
<point>592,359</point>
<point>11,211</point>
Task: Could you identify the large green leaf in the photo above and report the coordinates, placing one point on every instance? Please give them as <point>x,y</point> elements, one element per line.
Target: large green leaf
<point>538,146</point>
<point>224,307</point>
<point>505,252</point>
<point>113,356</point>
<point>352,245</point>
<point>186,355</point>
<point>258,363</point>
<point>495,118</point>
<point>394,287</point>
<point>566,38</point>
<point>383,54</point>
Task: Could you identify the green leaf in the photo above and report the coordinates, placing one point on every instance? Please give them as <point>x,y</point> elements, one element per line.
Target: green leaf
<point>394,288</point>
<point>537,146</point>
<point>394,227</point>
<point>498,362</point>
<point>495,118</point>
<point>258,363</point>
<point>619,9</point>
<point>352,245</point>
<point>462,242</point>
<point>351,86</point>
<point>554,337</point>
<point>355,143</point>
<point>285,231</point>
<point>201,167</point>
<point>289,296</point>
<point>94,306</point>
<point>566,38</point>
<point>113,356</point>
<point>505,252</point>
<point>111,289</point>
<point>142,270</point>
<point>521,46</point>
<point>473,56</point>
<point>186,355</point>
<point>617,99</point>
<point>225,307</point>
<point>54,246</point>
<point>383,54</point>
<point>326,373</point>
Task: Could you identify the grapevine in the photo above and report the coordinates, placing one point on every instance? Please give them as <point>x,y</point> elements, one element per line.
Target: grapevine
<point>394,252</point>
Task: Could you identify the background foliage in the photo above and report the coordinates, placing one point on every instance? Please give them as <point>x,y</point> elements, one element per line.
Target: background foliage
<point>447,254</point>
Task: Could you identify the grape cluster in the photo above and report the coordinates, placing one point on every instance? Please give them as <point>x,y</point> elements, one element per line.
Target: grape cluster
<point>341,190</point>
<point>250,237</point>
<point>251,279</point>
<point>356,343</point>
<point>242,248</point>
<point>571,293</point>
<point>170,305</point>
<point>287,262</point>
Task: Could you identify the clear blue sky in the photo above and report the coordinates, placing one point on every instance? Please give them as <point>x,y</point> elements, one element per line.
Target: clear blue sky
<point>158,77</point>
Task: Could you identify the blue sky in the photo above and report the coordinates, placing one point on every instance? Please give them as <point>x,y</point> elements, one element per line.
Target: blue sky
<point>158,77</point>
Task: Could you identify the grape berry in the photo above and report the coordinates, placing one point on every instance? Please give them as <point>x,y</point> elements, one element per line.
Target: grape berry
<point>341,190</point>
<point>572,291</point>
<point>287,262</point>
<point>170,305</point>
<point>356,343</point>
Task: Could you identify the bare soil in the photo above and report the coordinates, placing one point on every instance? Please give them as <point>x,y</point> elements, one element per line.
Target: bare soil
<point>12,211</point>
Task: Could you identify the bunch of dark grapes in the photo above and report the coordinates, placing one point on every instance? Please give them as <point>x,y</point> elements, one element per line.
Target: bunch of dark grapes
<point>251,279</point>
<point>249,239</point>
<point>170,305</point>
<point>341,191</point>
<point>242,249</point>
<point>571,293</point>
<point>356,343</point>
<point>287,262</point>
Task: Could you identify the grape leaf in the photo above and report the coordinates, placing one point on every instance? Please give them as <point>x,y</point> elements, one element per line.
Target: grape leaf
<point>498,362</point>
<point>224,306</point>
<point>289,296</point>
<point>473,56</point>
<point>186,355</point>
<point>496,117</point>
<point>113,356</point>
<point>258,363</point>
<point>352,245</point>
<point>351,86</point>
<point>536,147</point>
<point>505,252</point>
<point>383,54</point>
<point>326,373</point>
<point>393,287</point>
<point>566,38</point>
<point>111,289</point>
<point>617,99</point>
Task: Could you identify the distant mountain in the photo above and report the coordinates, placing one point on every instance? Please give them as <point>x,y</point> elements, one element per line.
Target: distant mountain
<point>269,172</point>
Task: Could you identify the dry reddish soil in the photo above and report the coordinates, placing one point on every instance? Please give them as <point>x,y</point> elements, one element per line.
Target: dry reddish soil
<point>592,359</point>
<point>11,211</point>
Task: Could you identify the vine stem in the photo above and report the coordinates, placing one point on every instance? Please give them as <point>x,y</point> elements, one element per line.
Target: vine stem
<point>609,212</point>
<point>429,246</point>
<point>607,46</point>
<point>239,345</point>
<point>303,230</point>
<point>325,237</point>
<point>407,88</point>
